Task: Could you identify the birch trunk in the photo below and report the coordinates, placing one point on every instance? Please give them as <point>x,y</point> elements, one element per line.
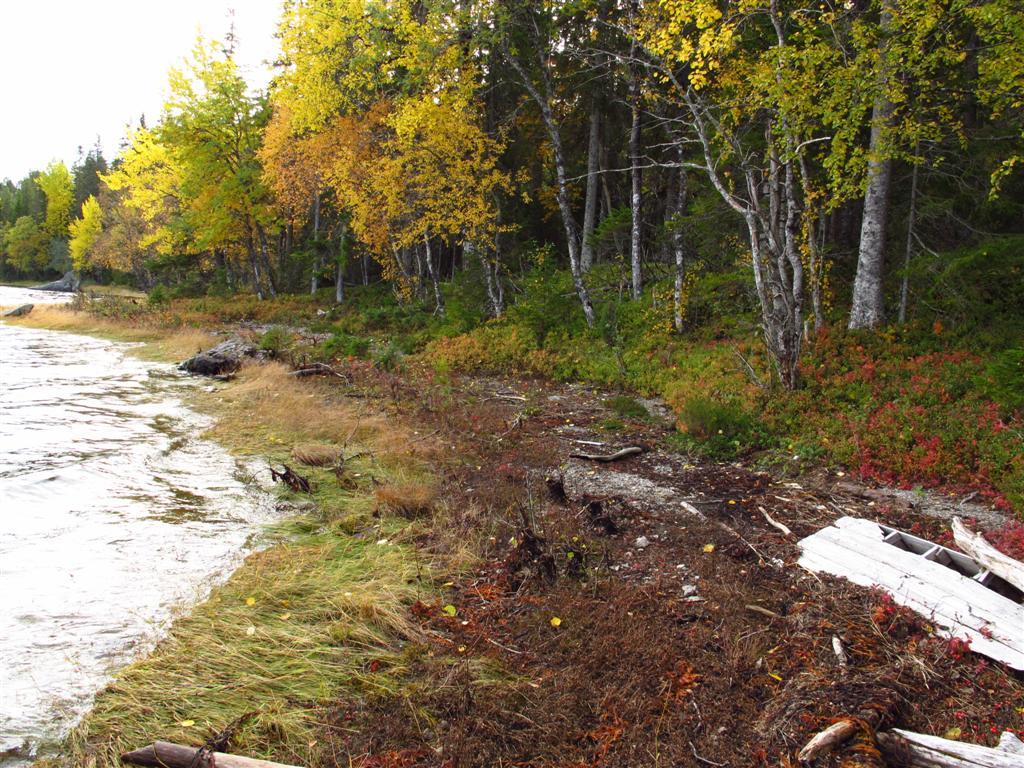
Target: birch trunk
<point>678,248</point>
<point>908,252</point>
<point>339,271</point>
<point>635,197</point>
<point>318,261</point>
<point>868,307</point>
<point>572,234</point>
<point>590,205</point>
<point>432,272</point>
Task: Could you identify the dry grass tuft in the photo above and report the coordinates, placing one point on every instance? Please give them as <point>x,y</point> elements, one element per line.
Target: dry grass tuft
<point>408,499</point>
<point>316,454</point>
<point>170,346</point>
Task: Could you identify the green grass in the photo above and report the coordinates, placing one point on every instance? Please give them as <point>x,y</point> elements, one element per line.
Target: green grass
<point>297,627</point>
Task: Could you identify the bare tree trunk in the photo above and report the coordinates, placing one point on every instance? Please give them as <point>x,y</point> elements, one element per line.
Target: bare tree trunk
<point>908,252</point>
<point>265,257</point>
<point>432,271</point>
<point>339,271</point>
<point>676,212</point>
<point>868,307</point>
<point>637,190</point>
<point>318,260</point>
<point>572,237</point>
<point>590,205</point>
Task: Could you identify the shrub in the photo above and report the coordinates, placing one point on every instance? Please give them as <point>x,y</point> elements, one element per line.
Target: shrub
<point>721,429</point>
<point>627,408</point>
<point>1004,380</point>
<point>276,341</point>
<point>389,358</point>
<point>158,296</point>
<point>341,345</point>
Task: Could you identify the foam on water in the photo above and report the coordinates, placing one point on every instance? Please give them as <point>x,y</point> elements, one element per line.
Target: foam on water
<point>114,514</point>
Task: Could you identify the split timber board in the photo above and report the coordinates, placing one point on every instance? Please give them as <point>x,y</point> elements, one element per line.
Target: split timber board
<point>958,606</point>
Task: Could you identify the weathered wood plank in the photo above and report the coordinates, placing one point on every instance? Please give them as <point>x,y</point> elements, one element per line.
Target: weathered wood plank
<point>934,752</point>
<point>959,606</point>
<point>974,544</point>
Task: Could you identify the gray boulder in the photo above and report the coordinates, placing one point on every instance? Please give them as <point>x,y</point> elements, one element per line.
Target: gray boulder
<point>21,311</point>
<point>67,284</point>
<point>221,360</point>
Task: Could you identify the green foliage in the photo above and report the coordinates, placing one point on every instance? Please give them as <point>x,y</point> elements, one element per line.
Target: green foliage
<point>1004,379</point>
<point>389,357</point>
<point>721,429</point>
<point>341,345</point>
<point>158,296</point>
<point>27,246</point>
<point>977,290</point>
<point>276,341</point>
<point>627,407</point>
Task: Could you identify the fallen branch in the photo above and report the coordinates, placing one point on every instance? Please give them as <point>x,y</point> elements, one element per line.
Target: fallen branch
<point>163,754</point>
<point>840,652</point>
<point>315,369</point>
<point>775,523</point>
<point>763,611</point>
<point>829,739</point>
<point>633,450</point>
<point>974,544</point>
<point>926,751</point>
<point>292,479</point>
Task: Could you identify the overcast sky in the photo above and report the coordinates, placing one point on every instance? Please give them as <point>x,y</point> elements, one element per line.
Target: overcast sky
<point>74,70</point>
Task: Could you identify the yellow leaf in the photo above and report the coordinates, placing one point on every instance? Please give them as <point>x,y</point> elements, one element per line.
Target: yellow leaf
<point>775,676</point>
<point>250,601</point>
<point>451,610</point>
<point>952,733</point>
<point>556,622</point>
<point>709,548</point>
<point>187,723</point>
<point>284,616</point>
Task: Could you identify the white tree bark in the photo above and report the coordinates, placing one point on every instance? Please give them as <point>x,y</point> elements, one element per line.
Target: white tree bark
<point>868,307</point>
<point>572,235</point>
<point>635,199</point>
<point>318,261</point>
<point>590,204</point>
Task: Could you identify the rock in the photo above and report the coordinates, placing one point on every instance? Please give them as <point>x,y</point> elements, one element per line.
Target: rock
<point>222,359</point>
<point>21,311</point>
<point>67,284</point>
<point>641,542</point>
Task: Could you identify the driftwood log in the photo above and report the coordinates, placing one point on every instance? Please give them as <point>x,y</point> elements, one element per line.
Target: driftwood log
<point>987,556</point>
<point>633,450</point>
<point>924,751</point>
<point>292,479</point>
<point>829,739</point>
<point>163,754</point>
<point>222,359</point>
<point>21,311</point>
<point>67,284</point>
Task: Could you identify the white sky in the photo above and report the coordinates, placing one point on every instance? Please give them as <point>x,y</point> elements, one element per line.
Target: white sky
<point>73,70</point>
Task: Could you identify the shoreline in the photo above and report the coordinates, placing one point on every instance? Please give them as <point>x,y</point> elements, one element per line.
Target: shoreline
<point>250,605</point>
<point>459,468</point>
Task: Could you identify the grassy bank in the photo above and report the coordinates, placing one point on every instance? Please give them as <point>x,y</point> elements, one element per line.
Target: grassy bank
<point>462,596</point>
<point>319,615</point>
<point>935,403</point>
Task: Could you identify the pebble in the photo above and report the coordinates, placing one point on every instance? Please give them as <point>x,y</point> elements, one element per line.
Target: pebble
<point>641,542</point>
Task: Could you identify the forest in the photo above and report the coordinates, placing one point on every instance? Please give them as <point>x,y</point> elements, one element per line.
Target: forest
<point>764,203</point>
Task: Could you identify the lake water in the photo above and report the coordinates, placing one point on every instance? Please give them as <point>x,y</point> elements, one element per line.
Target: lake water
<point>114,515</point>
